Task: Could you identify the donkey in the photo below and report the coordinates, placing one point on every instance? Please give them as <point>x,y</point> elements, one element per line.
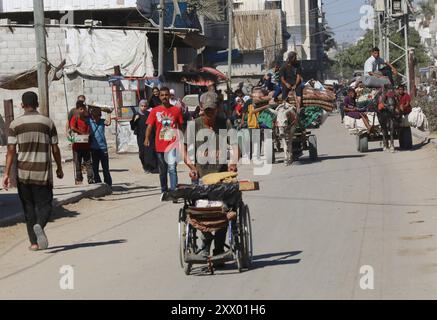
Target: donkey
<point>286,123</point>
<point>388,117</point>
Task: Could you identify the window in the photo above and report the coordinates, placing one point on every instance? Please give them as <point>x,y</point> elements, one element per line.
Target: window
<point>273,4</point>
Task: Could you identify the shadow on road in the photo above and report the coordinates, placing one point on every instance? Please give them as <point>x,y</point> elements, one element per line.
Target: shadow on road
<point>118,170</point>
<point>129,188</point>
<point>258,262</point>
<point>58,249</point>
<point>17,216</point>
<point>275,259</point>
<point>321,158</point>
<point>130,191</point>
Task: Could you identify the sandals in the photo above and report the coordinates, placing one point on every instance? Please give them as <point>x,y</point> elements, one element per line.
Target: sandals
<point>32,248</point>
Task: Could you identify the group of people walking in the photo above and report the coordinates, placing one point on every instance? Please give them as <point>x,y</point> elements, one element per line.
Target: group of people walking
<point>92,151</point>
<point>156,125</point>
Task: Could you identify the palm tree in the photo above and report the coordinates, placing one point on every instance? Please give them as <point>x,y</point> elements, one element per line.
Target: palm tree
<point>211,9</point>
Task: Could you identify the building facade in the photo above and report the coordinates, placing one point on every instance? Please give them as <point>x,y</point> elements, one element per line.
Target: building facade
<point>17,46</point>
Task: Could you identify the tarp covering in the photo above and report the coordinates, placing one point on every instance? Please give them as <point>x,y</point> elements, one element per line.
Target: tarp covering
<point>29,78</point>
<point>95,52</point>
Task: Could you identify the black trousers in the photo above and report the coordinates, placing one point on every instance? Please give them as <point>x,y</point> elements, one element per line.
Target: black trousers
<point>37,206</point>
<point>101,156</point>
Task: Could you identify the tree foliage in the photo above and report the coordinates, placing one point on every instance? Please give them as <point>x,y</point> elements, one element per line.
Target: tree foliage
<point>355,56</point>
<point>211,9</point>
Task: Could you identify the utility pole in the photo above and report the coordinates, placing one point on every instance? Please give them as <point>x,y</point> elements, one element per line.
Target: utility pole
<point>407,49</point>
<point>396,13</point>
<point>374,28</point>
<point>231,38</point>
<point>41,56</point>
<point>161,38</point>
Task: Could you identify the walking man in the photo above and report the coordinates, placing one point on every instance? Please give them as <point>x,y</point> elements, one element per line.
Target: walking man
<point>37,139</point>
<point>166,119</point>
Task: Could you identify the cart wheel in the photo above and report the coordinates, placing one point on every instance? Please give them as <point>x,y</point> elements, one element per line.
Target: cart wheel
<point>312,141</point>
<point>188,268</point>
<point>182,239</point>
<point>363,143</point>
<point>247,238</point>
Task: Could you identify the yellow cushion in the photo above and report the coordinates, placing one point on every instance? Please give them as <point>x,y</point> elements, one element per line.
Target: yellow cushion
<point>215,178</point>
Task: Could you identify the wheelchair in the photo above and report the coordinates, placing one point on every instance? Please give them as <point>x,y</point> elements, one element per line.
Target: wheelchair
<point>238,246</point>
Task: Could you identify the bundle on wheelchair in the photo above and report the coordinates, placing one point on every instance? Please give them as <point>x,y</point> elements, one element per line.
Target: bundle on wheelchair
<point>211,208</point>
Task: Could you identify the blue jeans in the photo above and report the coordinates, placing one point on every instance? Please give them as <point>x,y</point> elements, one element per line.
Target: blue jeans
<point>278,91</point>
<point>167,163</point>
<point>103,157</point>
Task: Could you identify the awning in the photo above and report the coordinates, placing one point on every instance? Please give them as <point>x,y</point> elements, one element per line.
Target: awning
<point>193,78</point>
<point>215,72</point>
<point>29,78</point>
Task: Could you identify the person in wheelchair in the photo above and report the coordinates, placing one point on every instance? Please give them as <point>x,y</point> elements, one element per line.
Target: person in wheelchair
<point>209,127</point>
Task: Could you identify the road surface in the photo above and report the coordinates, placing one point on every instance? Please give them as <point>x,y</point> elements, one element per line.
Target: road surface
<point>315,226</point>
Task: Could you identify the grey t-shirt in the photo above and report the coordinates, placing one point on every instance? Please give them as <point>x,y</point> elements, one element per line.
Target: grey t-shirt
<point>221,126</point>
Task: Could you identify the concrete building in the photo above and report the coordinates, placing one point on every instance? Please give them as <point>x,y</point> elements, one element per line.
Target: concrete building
<point>303,19</point>
<point>297,29</point>
<point>17,47</point>
<point>426,26</point>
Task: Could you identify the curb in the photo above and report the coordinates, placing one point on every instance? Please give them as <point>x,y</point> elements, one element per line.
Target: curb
<point>94,191</point>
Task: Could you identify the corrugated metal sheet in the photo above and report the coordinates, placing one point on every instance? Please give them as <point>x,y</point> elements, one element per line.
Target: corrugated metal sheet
<point>65,5</point>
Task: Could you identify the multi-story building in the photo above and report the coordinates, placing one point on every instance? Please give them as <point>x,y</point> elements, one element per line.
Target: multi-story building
<point>303,23</point>
<point>297,28</point>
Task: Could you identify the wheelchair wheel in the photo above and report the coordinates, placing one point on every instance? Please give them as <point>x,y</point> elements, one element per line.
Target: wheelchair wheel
<point>187,269</point>
<point>239,259</point>
<point>182,238</point>
<point>246,237</point>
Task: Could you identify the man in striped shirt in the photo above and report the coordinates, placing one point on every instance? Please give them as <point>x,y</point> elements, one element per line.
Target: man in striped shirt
<point>37,138</point>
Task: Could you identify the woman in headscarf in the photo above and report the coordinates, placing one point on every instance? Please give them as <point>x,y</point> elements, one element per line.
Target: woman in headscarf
<point>154,100</point>
<point>138,125</point>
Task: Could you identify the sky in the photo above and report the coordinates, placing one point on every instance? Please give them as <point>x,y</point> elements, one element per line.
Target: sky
<point>343,17</point>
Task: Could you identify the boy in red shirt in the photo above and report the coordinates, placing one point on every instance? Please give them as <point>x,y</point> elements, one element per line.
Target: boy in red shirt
<point>404,101</point>
<point>81,151</point>
<point>166,120</point>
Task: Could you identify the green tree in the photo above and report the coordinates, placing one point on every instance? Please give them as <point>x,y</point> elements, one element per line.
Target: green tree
<point>211,9</point>
<point>355,56</point>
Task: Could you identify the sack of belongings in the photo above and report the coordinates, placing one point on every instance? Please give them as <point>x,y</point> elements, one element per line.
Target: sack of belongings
<point>229,193</point>
<point>376,81</point>
<point>417,119</point>
<point>313,117</point>
<point>357,126</point>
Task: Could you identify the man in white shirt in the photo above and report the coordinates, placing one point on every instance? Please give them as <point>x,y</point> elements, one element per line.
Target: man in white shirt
<point>373,64</point>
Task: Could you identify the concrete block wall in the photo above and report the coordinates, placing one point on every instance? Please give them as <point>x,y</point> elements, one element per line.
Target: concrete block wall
<point>18,53</point>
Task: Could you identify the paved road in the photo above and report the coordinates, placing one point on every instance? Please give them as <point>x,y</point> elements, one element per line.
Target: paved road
<point>315,226</point>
